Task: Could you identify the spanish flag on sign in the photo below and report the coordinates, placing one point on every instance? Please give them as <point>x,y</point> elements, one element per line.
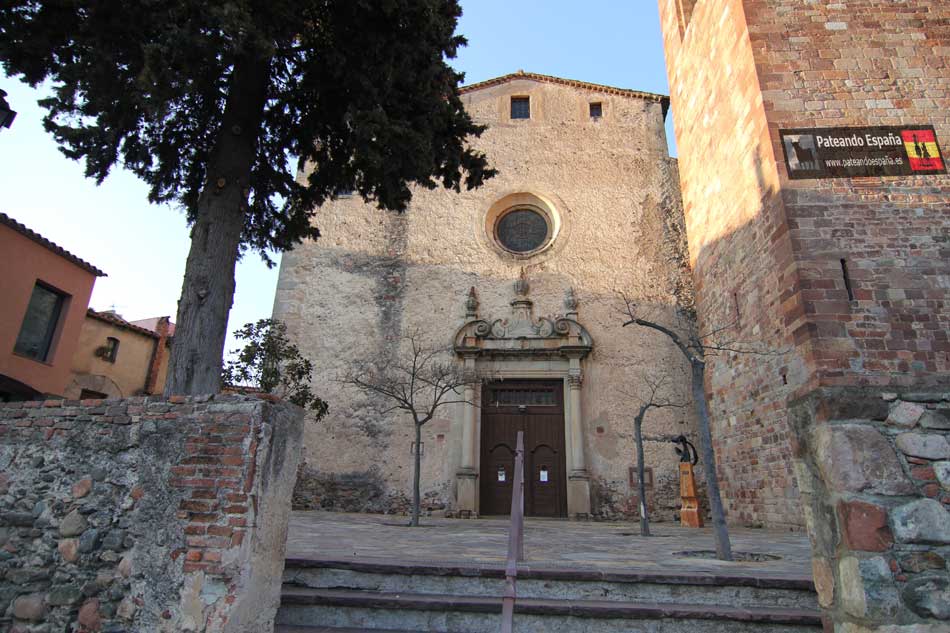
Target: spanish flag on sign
<point>922,150</point>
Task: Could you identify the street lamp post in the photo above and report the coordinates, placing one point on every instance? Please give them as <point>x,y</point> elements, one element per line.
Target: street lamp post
<point>6,114</point>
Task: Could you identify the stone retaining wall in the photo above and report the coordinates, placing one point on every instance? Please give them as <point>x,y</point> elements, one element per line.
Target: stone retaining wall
<point>145,514</point>
<point>874,470</point>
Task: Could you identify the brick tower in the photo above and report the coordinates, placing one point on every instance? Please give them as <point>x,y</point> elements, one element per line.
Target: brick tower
<point>849,276</point>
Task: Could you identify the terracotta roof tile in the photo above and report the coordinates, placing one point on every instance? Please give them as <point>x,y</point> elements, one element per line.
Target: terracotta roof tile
<point>6,220</point>
<point>664,100</point>
<point>120,322</point>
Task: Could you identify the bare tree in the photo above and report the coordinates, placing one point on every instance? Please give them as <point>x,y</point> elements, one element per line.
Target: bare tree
<point>696,347</point>
<point>417,381</point>
<point>654,393</point>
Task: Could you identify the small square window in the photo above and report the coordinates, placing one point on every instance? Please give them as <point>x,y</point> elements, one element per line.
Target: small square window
<point>520,108</point>
<point>35,339</point>
<point>111,349</point>
<point>596,110</point>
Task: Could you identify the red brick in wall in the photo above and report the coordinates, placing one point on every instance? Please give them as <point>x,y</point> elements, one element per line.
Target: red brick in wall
<point>767,251</point>
<point>741,255</point>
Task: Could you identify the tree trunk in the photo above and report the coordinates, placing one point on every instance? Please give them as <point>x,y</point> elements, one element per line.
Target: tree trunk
<point>641,486</point>
<point>720,531</point>
<point>208,288</point>
<point>417,462</point>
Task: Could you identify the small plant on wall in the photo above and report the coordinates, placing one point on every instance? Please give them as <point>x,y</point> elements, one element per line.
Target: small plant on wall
<point>271,363</point>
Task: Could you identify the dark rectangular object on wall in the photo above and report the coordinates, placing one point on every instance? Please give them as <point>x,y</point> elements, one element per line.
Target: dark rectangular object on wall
<point>647,477</point>
<point>847,152</point>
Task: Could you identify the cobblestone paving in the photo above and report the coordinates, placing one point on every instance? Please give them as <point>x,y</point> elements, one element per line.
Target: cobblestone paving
<point>548,543</point>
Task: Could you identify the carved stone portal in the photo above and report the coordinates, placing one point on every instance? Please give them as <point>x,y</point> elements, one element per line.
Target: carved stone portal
<point>513,340</point>
<point>521,333</point>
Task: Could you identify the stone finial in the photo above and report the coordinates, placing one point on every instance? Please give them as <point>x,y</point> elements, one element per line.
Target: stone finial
<point>471,304</point>
<point>521,285</point>
<point>570,303</point>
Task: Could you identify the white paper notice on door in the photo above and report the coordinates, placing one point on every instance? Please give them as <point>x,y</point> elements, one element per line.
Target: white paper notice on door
<point>544,473</point>
<point>501,474</point>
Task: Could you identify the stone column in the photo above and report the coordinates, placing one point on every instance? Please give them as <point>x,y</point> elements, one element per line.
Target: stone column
<point>466,498</point>
<point>578,464</point>
<point>578,480</point>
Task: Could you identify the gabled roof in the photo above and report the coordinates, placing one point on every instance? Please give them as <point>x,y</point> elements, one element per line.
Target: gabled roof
<point>119,322</point>
<point>152,324</point>
<point>6,220</point>
<point>664,100</point>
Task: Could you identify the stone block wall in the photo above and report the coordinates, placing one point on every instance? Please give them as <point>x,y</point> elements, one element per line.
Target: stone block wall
<point>740,253</point>
<point>874,469</point>
<point>144,514</point>
<point>767,251</point>
<point>863,63</point>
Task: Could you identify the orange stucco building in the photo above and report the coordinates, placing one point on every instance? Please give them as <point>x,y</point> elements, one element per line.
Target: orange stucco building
<point>116,358</point>
<point>45,292</point>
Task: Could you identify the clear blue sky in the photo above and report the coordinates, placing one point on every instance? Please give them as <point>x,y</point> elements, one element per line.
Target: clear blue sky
<point>143,247</point>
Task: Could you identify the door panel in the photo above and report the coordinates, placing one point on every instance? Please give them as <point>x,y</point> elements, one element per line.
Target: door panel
<point>543,493</point>
<point>535,407</point>
<point>497,477</point>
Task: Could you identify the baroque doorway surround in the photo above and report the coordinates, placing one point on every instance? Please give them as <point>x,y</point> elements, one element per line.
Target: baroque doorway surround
<point>522,347</point>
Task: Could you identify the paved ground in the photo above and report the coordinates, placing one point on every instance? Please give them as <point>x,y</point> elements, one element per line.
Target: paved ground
<point>548,543</point>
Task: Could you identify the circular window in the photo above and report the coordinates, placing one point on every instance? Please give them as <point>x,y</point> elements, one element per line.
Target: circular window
<point>520,225</point>
<point>522,230</point>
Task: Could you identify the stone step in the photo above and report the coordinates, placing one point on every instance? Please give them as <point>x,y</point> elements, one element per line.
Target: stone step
<point>724,589</point>
<point>293,628</point>
<point>481,614</point>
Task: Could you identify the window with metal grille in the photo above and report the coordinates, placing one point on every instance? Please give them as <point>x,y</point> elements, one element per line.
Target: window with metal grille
<point>522,230</point>
<point>112,348</point>
<point>520,108</point>
<point>524,397</point>
<point>596,110</point>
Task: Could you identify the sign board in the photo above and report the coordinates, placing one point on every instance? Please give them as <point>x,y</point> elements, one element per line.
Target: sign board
<point>844,152</point>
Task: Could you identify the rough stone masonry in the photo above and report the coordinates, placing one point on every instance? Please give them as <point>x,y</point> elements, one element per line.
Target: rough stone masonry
<point>145,514</point>
<point>874,470</point>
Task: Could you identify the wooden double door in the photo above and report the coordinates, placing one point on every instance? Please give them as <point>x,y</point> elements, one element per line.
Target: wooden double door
<point>537,408</point>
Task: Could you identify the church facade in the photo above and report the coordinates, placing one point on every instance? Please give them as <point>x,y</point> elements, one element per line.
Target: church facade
<point>520,282</point>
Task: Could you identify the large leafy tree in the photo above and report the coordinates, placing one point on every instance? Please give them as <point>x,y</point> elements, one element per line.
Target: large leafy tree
<point>211,102</point>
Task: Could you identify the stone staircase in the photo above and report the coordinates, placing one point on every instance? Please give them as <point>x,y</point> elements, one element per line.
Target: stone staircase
<point>350,596</point>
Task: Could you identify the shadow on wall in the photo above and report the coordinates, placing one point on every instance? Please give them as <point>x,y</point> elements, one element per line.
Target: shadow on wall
<point>852,287</point>
<point>747,392</point>
<point>358,455</point>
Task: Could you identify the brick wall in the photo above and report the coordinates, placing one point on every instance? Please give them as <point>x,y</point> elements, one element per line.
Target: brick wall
<point>740,252</point>
<point>867,378</point>
<point>767,251</point>
<point>863,62</point>
<point>144,514</point>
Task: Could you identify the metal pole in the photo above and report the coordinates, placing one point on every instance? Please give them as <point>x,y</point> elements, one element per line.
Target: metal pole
<point>515,539</point>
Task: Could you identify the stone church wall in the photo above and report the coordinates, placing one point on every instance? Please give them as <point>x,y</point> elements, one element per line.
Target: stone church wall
<point>144,514</point>
<point>374,276</point>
